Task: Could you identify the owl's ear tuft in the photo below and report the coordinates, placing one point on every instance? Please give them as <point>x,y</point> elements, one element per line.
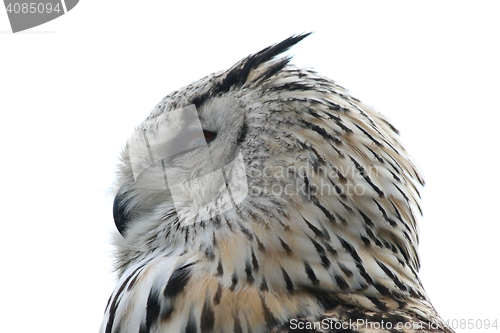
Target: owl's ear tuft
<point>237,75</point>
<point>272,51</point>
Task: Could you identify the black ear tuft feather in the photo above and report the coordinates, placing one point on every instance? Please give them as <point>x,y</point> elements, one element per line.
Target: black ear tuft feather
<point>237,75</point>
<point>272,51</point>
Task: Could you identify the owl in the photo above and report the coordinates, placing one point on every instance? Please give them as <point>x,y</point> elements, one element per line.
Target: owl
<point>266,198</point>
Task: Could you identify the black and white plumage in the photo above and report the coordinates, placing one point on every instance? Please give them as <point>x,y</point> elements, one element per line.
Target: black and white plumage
<point>326,237</point>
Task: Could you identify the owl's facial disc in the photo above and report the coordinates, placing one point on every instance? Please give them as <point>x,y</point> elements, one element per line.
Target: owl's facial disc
<point>171,160</point>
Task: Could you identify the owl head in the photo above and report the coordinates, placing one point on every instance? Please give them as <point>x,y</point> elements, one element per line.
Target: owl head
<point>273,177</point>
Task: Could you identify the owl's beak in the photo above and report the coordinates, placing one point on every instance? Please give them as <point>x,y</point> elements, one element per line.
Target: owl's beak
<point>120,214</point>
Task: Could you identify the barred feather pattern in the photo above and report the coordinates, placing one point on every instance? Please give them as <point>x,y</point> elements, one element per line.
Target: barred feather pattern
<point>327,233</point>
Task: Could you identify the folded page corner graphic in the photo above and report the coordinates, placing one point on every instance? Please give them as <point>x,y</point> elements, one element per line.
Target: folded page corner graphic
<point>70,4</point>
<point>24,14</point>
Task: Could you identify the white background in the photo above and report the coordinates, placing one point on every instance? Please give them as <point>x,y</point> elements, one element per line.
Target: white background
<point>72,90</point>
